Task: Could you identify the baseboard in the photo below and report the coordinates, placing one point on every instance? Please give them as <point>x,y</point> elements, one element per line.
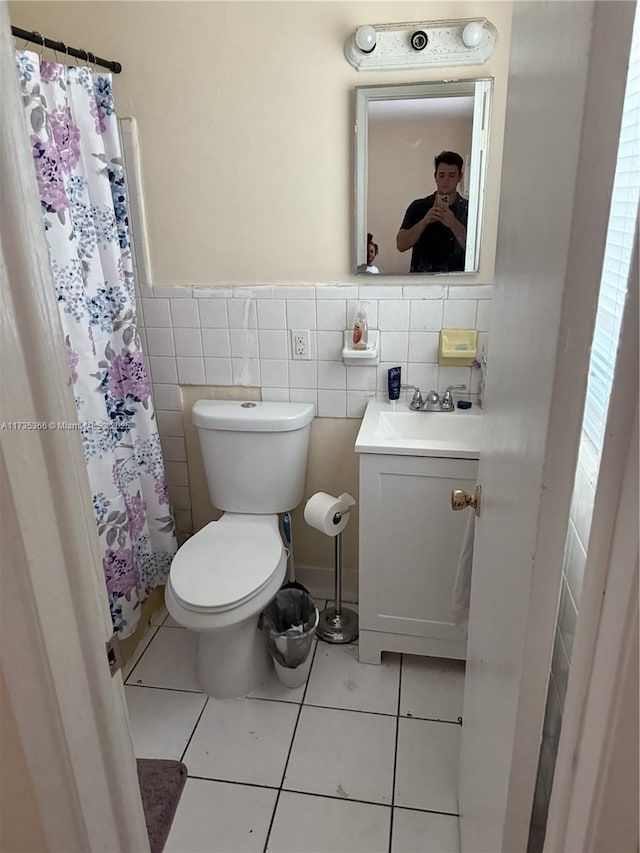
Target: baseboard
<point>321,583</point>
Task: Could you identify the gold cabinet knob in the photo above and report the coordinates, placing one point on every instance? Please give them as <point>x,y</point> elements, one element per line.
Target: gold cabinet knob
<point>461,499</point>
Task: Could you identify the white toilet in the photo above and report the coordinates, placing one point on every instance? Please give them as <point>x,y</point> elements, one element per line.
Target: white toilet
<point>255,457</point>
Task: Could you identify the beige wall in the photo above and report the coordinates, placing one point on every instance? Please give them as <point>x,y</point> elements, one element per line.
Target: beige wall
<point>20,823</point>
<point>245,114</point>
<point>410,147</point>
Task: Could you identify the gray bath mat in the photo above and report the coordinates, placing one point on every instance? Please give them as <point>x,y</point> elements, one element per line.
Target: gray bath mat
<point>161,783</point>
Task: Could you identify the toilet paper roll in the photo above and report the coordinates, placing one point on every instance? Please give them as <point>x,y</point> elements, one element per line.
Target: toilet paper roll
<point>321,509</point>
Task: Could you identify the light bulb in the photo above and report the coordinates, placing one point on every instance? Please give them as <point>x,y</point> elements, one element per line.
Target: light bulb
<point>472,34</point>
<point>366,39</point>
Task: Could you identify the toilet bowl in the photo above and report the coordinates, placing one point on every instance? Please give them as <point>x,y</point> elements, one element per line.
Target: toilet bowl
<point>254,456</point>
<point>206,593</point>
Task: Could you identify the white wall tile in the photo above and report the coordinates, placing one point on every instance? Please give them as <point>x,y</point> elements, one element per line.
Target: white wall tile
<point>425,315</point>
<point>455,376</point>
<point>459,314</point>
<point>301,314</point>
<point>584,505</point>
<point>242,314</point>
<point>180,497</point>
<point>330,346</point>
<point>274,373</point>
<point>394,346</point>
<point>167,397</point>
<point>177,473</point>
<point>216,343</point>
<point>360,378</point>
<point>567,618</point>
<point>159,341</point>
<point>170,423</point>
<point>271,313</point>
<point>212,292</point>
<point>379,291</point>
<point>157,312</point>
<point>337,291</point>
<point>304,395</point>
<point>217,371</point>
<point>423,346</point>
<point>163,369</point>
<point>184,313</point>
<point>425,376</point>
<point>246,371</point>
<point>393,315</point>
<point>188,342</point>
<point>184,522</point>
<point>332,315</point>
<point>331,375</point>
<point>480,291</point>
<point>294,292</point>
<point>244,343</point>
<point>574,563</point>
<point>173,449</point>
<point>371,308</point>
<point>273,343</point>
<point>303,374</point>
<point>275,395</point>
<point>357,403</point>
<point>424,291</point>
<point>483,316</point>
<point>332,404</point>
<point>190,370</point>
<point>174,292</point>
<point>213,313</point>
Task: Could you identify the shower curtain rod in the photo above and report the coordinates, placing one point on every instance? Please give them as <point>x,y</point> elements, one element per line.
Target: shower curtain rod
<point>35,37</point>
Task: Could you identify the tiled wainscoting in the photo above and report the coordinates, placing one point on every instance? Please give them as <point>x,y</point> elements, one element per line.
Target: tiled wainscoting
<point>241,336</point>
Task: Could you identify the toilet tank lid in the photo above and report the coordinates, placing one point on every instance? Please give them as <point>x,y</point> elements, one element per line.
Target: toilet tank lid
<point>252,416</point>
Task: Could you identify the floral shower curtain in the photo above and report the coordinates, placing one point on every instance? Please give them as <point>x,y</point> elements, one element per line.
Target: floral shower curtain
<point>73,132</point>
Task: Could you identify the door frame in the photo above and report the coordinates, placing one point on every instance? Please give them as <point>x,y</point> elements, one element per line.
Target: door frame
<point>71,714</point>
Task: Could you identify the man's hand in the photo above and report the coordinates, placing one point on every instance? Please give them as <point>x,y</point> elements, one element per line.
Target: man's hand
<point>443,213</point>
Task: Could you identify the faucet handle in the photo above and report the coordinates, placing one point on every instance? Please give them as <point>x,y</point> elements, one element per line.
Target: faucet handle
<point>416,400</point>
<point>446,404</point>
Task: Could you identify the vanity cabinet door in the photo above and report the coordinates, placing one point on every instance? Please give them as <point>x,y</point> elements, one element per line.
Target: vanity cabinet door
<point>410,541</point>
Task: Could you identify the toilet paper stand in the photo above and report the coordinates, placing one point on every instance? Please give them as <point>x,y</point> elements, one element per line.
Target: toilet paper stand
<point>338,624</point>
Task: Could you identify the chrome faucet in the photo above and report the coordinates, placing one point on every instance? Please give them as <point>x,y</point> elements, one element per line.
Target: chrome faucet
<point>432,401</point>
<point>446,403</point>
<point>417,402</point>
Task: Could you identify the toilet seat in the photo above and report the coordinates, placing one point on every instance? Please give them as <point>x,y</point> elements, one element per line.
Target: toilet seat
<point>225,565</point>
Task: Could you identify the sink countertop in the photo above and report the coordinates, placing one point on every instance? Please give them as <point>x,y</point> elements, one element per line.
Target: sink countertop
<point>394,429</point>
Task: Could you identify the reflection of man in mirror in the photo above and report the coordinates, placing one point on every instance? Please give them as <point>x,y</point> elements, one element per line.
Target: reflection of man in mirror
<point>435,227</point>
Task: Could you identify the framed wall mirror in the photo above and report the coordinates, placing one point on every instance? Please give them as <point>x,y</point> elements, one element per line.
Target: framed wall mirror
<point>411,218</point>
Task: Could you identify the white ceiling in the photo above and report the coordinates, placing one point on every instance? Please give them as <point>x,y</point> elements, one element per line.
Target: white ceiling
<point>421,108</point>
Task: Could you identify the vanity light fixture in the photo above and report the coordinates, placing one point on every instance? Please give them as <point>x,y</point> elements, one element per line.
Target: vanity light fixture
<point>421,44</point>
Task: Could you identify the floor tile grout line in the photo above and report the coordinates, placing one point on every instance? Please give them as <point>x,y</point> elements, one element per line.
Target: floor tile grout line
<point>286,763</point>
<point>395,756</point>
<point>193,731</point>
<point>144,651</point>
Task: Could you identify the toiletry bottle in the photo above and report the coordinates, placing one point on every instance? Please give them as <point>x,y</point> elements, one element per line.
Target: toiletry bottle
<point>393,383</point>
<point>360,330</point>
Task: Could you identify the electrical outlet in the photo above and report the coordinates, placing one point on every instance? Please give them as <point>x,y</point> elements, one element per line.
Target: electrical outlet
<point>300,345</point>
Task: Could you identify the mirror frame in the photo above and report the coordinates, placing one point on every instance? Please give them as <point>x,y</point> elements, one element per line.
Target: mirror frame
<point>481,89</point>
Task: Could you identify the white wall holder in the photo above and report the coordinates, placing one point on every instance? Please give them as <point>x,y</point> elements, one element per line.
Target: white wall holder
<point>421,44</point>
<point>368,356</point>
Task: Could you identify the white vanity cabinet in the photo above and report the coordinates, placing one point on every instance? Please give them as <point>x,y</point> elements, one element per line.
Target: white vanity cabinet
<point>410,541</point>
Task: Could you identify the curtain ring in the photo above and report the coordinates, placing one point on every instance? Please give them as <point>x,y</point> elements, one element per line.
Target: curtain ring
<point>42,44</point>
<point>91,59</point>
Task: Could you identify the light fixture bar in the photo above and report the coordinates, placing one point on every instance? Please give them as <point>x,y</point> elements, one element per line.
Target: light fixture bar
<point>402,46</point>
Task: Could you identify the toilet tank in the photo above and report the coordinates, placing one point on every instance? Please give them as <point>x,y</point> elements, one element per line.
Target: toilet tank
<point>254,454</point>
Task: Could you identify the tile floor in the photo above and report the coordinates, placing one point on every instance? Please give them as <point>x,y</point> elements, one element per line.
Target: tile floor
<point>361,758</point>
